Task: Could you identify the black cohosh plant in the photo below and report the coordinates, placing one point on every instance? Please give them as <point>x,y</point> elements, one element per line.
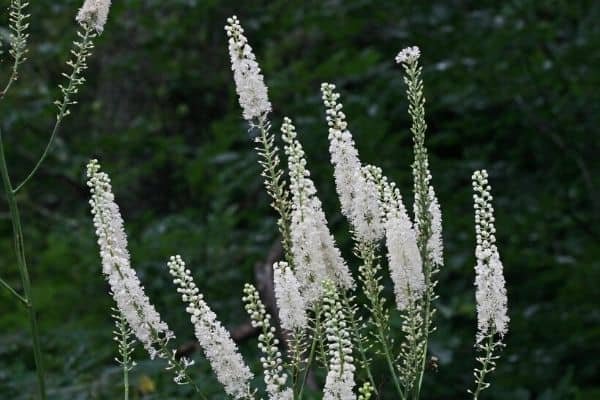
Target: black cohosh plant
<point>324,324</point>
<point>91,19</point>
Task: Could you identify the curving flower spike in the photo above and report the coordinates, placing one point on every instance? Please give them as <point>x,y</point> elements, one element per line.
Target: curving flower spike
<point>221,351</point>
<point>125,286</point>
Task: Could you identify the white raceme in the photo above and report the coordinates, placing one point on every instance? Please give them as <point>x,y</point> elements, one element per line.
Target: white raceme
<point>316,257</point>
<point>215,341</point>
<point>435,243</point>
<point>405,263</point>
<point>249,82</point>
<point>489,278</point>
<point>94,13</point>
<point>290,303</point>
<point>358,197</point>
<point>125,286</point>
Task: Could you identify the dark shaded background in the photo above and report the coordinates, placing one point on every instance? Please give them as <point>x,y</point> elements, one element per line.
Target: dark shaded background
<point>511,86</point>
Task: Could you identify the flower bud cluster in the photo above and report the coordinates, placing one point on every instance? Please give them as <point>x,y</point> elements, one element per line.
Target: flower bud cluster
<point>339,383</point>
<point>275,377</point>
<point>408,55</point>
<point>489,278</point>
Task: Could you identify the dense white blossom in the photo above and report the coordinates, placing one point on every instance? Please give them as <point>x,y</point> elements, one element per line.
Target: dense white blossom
<point>125,286</point>
<point>250,85</point>
<point>290,303</point>
<point>405,264</point>
<point>94,13</point>
<point>339,383</point>
<point>221,351</point>
<point>408,55</point>
<point>489,279</point>
<point>358,197</point>
<point>316,257</point>
<point>435,244</point>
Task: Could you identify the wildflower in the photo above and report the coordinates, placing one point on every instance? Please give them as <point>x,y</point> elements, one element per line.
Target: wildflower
<point>94,13</point>
<point>408,55</point>
<point>221,351</point>
<point>340,378</point>
<point>358,197</point>
<point>435,243</point>
<point>125,286</point>
<point>291,304</point>
<point>272,364</point>
<point>405,264</point>
<point>489,280</point>
<point>316,257</point>
<point>250,85</point>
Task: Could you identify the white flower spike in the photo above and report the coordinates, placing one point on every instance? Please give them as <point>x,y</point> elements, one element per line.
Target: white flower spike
<point>94,13</point>
<point>249,82</point>
<point>125,286</point>
<point>358,197</point>
<point>221,351</point>
<point>316,256</point>
<point>489,279</point>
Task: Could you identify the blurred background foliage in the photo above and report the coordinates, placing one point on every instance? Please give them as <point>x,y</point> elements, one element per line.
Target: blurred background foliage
<point>512,86</point>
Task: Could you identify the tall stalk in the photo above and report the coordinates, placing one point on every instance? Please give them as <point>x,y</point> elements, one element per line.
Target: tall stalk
<point>18,21</point>
<point>23,271</point>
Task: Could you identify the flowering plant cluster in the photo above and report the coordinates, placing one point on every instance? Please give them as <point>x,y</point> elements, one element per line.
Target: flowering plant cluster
<point>90,19</point>
<point>323,325</point>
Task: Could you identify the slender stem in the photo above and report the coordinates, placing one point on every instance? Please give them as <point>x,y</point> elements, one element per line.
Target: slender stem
<point>74,80</point>
<point>372,289</point>
<point>487,362</point>
<point>313,348</point>
<point>22,264</point>
<point>13,291</point>
<point>46,149</point>
<point>126,383</point>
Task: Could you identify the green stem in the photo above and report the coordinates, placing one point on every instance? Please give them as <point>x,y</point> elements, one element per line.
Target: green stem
<point>13,291</point>
<point>23,271</point>
<point>313,348</point>
<point>46,150</point>
<point>489,352</point>
<point>64,104</point>
<point>126,382</point>
<point>368,273</point>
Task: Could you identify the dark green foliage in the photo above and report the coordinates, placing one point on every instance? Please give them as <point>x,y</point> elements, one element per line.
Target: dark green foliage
<point>511,87</point>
